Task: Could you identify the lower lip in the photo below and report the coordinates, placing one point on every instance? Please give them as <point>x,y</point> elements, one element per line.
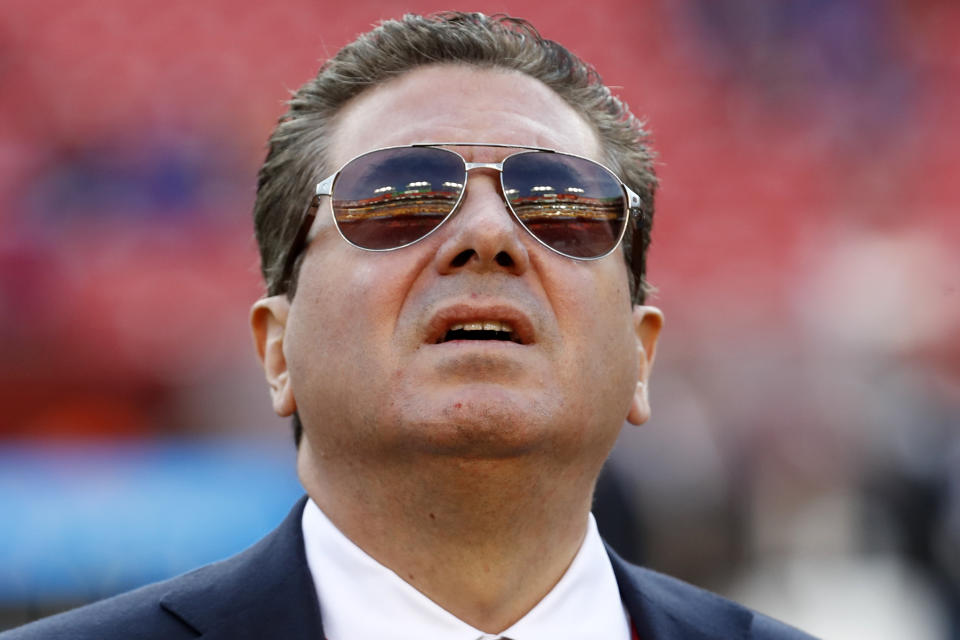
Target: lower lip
<point>480,343</point>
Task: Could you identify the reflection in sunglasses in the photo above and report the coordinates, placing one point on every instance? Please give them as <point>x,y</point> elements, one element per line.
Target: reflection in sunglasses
<point>568,205</point>
<point>395,205</point>
<point>389,198</point>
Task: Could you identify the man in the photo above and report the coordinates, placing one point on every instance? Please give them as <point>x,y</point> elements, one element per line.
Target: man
<point>453,218</point>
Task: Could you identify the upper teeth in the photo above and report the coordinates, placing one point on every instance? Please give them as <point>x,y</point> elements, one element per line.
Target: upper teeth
<point>486,325</point>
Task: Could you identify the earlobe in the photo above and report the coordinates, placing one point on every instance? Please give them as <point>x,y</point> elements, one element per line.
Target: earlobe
<point>647,322</point>
<point>268,322</point>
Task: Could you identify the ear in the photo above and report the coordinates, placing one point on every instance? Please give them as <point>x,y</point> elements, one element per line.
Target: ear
<point>268,321</point>
<point>647,322</point>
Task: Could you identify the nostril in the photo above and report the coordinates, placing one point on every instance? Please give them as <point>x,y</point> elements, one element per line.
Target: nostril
<point>462,258</point>
<point>504,259</point>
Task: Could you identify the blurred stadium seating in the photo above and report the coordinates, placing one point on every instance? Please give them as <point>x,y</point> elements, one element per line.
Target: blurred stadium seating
<point>807,393</point>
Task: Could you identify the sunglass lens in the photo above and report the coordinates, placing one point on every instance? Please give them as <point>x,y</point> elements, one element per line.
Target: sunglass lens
<point>392,197</point>
<point>571,204</point>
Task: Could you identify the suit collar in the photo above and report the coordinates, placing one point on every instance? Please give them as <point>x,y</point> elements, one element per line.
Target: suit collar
<point>663,608</point>
<point>264,592</point>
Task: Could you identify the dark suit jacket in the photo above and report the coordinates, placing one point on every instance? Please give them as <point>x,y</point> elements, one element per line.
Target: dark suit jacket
<point>267,592</point>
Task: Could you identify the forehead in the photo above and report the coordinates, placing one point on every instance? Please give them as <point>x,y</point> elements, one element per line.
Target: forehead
<point>458,103</point>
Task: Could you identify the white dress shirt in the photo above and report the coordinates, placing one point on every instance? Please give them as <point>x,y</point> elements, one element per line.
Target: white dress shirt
<point>360,599</point>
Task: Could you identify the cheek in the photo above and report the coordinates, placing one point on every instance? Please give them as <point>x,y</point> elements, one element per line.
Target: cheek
<point>345,312</point>
<point>592,300</point>
<point>595,316</point>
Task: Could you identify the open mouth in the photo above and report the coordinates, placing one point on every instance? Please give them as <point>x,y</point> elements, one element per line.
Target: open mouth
<point>486,330</point>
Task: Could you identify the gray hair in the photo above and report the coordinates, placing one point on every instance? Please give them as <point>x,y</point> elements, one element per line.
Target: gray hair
<point>296,159</point>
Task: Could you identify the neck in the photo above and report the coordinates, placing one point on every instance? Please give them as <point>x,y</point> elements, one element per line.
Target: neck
<point>484,539</point>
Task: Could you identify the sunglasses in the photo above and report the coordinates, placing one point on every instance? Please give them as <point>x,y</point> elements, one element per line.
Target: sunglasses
<point>390,198</point>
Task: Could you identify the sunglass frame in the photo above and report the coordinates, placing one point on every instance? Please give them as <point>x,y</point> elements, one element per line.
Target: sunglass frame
<point>310,226</point>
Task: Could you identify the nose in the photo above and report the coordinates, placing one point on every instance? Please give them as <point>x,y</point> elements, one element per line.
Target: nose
<point>482,235</point>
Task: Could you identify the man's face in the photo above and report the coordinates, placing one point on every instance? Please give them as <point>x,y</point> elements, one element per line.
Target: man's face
<point>359,352</point>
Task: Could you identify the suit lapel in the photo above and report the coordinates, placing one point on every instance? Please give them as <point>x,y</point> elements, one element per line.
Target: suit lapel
<point>663,608</point>
<point>264,592</point>
<point>267,592</point>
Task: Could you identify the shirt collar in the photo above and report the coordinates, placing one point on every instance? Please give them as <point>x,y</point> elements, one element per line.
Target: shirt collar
<point>362,599</point>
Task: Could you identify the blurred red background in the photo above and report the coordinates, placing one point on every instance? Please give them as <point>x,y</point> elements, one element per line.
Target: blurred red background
<point>805,251</point>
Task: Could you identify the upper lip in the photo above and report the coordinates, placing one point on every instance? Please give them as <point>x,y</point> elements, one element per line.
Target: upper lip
<point>463,313</point>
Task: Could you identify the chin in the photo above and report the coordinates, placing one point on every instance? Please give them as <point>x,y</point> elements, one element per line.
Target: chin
<point>483,425</point>
<point>478,424</point>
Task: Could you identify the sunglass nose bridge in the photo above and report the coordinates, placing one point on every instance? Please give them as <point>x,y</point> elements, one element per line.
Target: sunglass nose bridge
<point>496,166</point>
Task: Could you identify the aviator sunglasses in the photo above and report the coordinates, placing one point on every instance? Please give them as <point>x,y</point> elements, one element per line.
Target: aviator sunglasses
<point>390,198</point>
